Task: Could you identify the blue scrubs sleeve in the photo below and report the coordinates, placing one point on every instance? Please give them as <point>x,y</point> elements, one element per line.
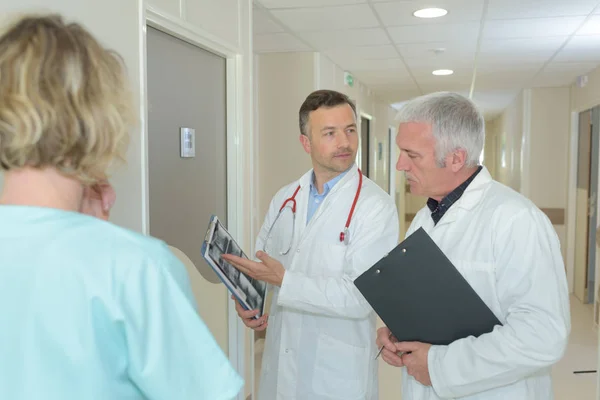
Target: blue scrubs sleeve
<point>172,354</point>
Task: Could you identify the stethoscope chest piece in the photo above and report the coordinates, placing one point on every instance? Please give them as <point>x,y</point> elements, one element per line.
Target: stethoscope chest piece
<point>345,236</point>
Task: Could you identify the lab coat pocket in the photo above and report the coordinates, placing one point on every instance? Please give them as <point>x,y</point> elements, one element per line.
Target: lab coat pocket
<point>341,370</point>
<point>481,276</point>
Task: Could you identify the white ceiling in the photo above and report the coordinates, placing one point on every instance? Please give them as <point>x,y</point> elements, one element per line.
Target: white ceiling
<point>514,43</point>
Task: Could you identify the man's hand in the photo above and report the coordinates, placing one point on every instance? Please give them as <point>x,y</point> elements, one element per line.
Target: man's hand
<point>416,360</point>
<point>247,317</point>
<point>389,352</point>
<point>98,199</point>
<point>269,270</point>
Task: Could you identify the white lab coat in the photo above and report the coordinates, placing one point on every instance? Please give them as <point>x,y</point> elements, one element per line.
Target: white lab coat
<point>320,342</point>
<point>507,249</point>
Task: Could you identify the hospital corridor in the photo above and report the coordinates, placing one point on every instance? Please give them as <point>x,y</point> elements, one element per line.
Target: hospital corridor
<point>277,154</point>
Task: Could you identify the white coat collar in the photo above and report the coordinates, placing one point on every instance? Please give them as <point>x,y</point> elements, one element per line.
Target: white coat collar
<point>475,190</point>
<point>470,198</point>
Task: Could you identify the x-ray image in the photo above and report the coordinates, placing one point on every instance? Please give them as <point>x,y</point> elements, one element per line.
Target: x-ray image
<point>250,292</point>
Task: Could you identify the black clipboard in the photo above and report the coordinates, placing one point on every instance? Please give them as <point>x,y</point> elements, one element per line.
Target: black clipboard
<point>421,296</point>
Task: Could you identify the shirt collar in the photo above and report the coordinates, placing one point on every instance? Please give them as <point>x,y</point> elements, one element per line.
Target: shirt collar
<point>439,208</point>
<point>328,185</point>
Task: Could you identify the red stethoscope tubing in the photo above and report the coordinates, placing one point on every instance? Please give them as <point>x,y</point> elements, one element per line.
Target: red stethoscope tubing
<point>348,221</point>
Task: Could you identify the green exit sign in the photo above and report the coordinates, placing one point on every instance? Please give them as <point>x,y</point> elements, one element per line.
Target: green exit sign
<point>348,79</point>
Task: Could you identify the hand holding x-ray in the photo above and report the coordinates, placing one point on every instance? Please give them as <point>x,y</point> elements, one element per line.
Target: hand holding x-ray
<point>268,270</point>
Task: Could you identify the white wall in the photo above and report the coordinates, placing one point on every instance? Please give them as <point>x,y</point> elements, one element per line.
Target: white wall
<point>540,118</point>
<point>549,152</point>
<point>509,136</point>
<point>330,76</point>
<point>284,81</point>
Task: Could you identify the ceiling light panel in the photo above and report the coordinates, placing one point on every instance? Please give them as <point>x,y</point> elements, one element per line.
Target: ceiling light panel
<point>401,13</point>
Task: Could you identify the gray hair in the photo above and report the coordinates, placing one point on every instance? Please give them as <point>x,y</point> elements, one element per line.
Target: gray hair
<point>456,121</point>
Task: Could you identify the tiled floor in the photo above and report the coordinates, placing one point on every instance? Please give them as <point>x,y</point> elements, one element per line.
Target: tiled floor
<point>581,354</point>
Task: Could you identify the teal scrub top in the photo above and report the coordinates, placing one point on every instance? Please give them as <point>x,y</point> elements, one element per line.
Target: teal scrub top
<point>89,310</point>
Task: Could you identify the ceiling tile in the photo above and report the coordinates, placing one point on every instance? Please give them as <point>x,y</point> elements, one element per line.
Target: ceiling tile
<point>562,74</point>
<point>426,50</point>
<point>570,68</point>
<point>507,61</point>
<point>430,64</point>
<point>262,23</point>
<point>390,76</point>
<point>328,18</point>
<point>547,45</point>
<point>444,86</point>
<point>434,33</point>
<point>553,79</point>
<point>460,80</point>
<point>493,68</point>
<point>531,28</point>
<point>353,37</point>
<point>581,49</point>
<point>278,42</point>
<point>371,65</point>
<point>509,9</point>
<point>396,94</point>
<point>494,101</point>
<point>508,52</point>
<point>306,3</point>
<point>364,52</point>
<point>504,79</point>
<point>591,27</point>
<point>400,13</point>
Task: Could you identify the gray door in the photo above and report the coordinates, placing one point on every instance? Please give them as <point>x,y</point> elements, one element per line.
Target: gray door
<point>186,88</point>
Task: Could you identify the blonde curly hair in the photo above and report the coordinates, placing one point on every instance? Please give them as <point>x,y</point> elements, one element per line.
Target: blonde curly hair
<point>64,100</point>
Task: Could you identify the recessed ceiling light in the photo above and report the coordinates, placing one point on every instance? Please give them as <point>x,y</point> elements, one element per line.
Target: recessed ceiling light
<point>441,72</point>
<point>430,13</point>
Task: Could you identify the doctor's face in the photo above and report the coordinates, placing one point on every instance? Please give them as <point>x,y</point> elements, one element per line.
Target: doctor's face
<point>332,139</point>
<point>417,159</point>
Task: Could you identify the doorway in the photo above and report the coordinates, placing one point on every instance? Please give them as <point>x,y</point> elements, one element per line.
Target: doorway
<point>187,173</point>
<point>365,140</point>
<point>586,204</point>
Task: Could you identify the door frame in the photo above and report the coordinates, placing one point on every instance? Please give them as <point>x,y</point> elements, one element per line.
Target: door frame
<point>572,200</point>
<point>361,115</point>
<point>237,157</point>
<point>572,205</point>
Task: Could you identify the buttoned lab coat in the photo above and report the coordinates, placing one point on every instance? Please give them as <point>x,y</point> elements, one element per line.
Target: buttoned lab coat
<point>507,249</point>
<point>320,342</point>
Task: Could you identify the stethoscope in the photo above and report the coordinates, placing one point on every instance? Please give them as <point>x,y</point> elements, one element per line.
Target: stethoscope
<point>344,235</point>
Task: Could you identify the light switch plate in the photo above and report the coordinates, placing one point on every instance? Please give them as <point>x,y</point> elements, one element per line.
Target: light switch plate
<point>188,142</point>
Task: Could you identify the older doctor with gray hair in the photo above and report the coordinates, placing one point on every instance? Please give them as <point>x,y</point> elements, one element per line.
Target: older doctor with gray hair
<point>502,244</point>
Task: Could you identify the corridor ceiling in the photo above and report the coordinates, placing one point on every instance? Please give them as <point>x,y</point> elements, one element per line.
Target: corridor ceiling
<point>495,47</point>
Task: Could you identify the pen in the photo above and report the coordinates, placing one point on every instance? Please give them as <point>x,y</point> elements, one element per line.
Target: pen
<point>381,349</point>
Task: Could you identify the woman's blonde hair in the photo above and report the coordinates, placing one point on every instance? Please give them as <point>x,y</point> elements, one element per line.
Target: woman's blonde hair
<point>64,100</point>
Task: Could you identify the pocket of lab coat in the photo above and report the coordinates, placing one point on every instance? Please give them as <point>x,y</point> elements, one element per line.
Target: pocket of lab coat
<point>341,369</point>
<point>482,278</point>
